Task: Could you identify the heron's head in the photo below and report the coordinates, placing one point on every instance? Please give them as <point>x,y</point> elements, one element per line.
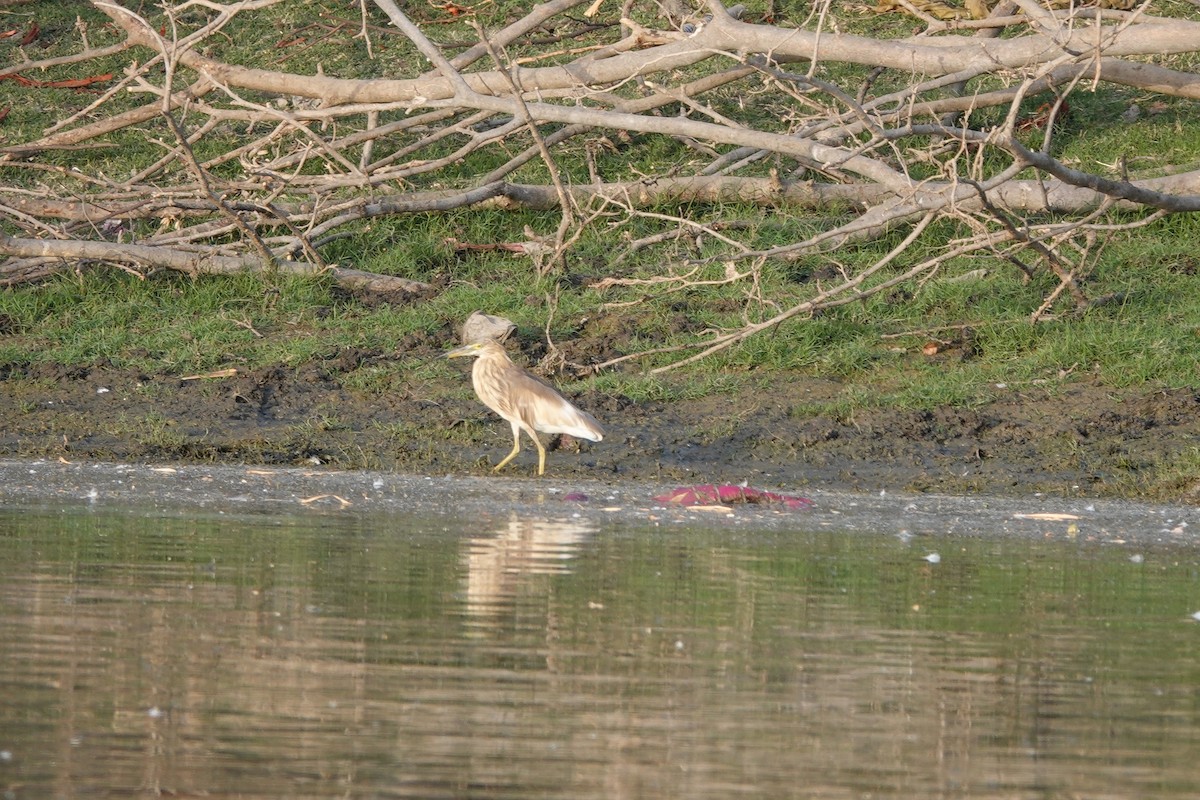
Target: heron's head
<point>472,349</point>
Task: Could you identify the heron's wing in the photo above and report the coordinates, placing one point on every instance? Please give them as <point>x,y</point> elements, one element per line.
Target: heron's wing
<point>540,405</point>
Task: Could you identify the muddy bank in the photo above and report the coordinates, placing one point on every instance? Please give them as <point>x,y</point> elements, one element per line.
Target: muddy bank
<point>1079,439</point>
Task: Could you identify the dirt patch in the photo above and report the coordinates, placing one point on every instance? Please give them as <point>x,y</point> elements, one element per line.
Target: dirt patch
<point>1083,439</point>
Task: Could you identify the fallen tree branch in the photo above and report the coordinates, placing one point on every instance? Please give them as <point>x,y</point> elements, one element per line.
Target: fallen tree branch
<point>262,169</point>
<point>195,264</point>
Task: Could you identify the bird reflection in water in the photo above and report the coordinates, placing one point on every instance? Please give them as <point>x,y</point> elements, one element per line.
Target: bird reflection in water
<point>512,562</point>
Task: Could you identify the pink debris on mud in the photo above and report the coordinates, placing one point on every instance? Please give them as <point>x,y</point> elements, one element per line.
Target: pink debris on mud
<point>729,494</point>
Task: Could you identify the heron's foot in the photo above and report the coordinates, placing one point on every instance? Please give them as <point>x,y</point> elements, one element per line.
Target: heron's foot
<point>504,462</point>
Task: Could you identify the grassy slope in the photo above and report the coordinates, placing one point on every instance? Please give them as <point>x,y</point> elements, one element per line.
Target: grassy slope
<point>1148,337</point>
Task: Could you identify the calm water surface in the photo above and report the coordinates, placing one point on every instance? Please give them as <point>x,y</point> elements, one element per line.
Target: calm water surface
<point>504,656</point>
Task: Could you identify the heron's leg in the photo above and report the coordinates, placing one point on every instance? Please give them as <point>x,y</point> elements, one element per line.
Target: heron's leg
<point>541,455</point>
<point>516,448</point>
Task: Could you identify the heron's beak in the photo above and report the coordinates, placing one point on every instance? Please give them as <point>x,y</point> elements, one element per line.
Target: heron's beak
<point>459,352</point>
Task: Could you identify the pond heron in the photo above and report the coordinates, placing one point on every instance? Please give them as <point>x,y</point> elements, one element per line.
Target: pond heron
<point>526,402</point>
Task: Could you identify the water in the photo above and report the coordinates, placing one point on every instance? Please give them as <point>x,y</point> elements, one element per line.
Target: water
<point>518,655</point>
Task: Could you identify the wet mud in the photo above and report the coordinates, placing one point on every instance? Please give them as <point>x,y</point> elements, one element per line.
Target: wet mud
<point>1077,439</point>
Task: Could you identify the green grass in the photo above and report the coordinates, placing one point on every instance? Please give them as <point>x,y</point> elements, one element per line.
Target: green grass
<point>167,323</point>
